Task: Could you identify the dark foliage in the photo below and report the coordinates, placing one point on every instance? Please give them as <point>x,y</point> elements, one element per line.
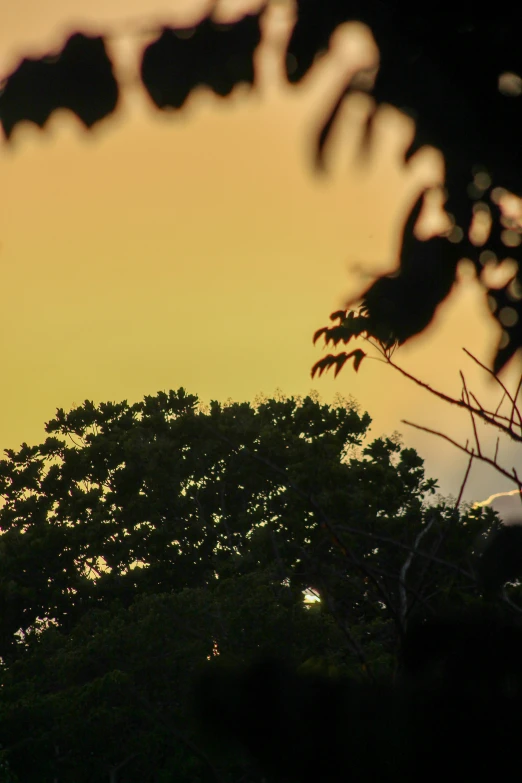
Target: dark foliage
<point>502,560</point>
<point>218,56</point>
<point>454,709</point>
<point>441,65</point>
<point>80,78</point>
<point>114,530</point>
<point>299,726</point>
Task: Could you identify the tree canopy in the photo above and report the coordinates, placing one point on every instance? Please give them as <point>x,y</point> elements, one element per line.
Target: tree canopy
<point>141,540</point>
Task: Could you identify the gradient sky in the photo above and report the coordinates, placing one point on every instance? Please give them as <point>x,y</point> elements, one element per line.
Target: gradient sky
<point>199,249</point>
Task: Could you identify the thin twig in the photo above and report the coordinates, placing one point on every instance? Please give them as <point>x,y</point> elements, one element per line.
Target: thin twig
<point>515,397</point>
<point>500,383</point>
<point>511,476</point>
<point>486,416</point>
<point>464,480</point>
<point>473,422</point>
<point>405,568</point>
<point>116,768</point>
<point>407,548</point>
<point>395,578</point>
<point>500,404</point>
<point>496,450</point>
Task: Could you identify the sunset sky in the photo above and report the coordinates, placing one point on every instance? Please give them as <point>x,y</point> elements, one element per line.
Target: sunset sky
<point>200,249</point>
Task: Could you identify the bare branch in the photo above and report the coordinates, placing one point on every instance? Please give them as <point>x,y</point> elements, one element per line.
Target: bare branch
<point>407,548</point>
<point>464,480</point>
<point>500,404</point>
<point>488,416</point>
<point>473,422</point>
<point>515,397</point>
<point>511,476</point>
<point>404,571</point>
<point>496,450</point>
<point>501,384</point>
<point>352,641</point>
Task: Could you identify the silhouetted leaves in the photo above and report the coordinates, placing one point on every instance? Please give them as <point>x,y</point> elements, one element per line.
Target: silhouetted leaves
<point>218,56</point>
<point>298,726</point>
<point>400,306</point>
<point>80,78</point>
<point>338,361</point>
<point>150,535</point>
<point>432,66</point>
<point>455,706</point>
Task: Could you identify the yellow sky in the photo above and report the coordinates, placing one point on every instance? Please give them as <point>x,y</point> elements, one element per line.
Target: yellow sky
<point>199,249</point>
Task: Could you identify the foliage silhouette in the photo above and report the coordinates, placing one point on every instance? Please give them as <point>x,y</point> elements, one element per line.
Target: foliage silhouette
<point>186,494</point>
<point>79,78</point>
<point>130,669</point>
<point>443,67</point>
<point>218,56</point>
<point>455,706</point>
<point>433,66</point>
<point>298,726</point>
<point>114,530</point>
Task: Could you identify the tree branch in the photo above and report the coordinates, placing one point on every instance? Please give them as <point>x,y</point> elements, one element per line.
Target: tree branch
<point>404,571</point>
<point>513,400</point>
<point>487,416</point>
<point>511,476</point>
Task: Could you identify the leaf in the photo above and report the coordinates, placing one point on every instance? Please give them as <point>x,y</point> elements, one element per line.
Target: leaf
<point>338,360</point>
<point>341,314</point>
<point>318,333</point>
<point>358,355</point>
<point>327,362</point>
<point>80,78</point>
<point>342,358</point>
<point>214,55</point>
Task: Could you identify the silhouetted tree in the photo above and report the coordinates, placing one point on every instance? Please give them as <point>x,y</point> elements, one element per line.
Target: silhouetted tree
<point>139,539</point>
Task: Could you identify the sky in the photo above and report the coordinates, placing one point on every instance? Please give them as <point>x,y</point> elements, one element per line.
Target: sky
<point>201,249</point>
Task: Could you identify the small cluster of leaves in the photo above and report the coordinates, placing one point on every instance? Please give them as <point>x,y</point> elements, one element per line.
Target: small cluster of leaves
<point>352,324</point>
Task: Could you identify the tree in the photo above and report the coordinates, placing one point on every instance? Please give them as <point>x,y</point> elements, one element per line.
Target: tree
<point>111,699</point>
<point>456,706</point>
<point>103,528</point>
<point>139,539</point>
<point>162,495</point>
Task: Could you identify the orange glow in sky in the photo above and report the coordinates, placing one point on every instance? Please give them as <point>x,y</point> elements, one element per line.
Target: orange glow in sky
<point>201,249</point>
